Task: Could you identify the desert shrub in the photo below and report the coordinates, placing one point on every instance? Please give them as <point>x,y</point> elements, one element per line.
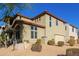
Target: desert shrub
<point>60,43</point>
<point>51,42</point>
<point>71,42</point>
<point>77,41</point>
<point>37,46</point>
<point>38,41</point>
<point>72,52</point>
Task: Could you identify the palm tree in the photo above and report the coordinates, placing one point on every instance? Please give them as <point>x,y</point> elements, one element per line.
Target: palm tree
<point>10,9</point>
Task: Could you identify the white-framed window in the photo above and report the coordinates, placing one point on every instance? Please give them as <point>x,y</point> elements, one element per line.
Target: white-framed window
<point>56,22</point>
<point>65,27</point>
<point>72,29</point>
<point>50,21</point>
<point>33,32</point>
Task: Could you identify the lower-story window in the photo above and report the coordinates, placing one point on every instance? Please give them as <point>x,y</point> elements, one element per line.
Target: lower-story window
<point>33,32</point>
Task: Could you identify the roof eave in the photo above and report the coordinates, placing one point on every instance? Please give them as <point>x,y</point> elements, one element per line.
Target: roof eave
<point>46,12</point>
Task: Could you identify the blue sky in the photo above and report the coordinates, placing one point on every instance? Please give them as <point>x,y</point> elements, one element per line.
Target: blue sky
<point>65,11</point>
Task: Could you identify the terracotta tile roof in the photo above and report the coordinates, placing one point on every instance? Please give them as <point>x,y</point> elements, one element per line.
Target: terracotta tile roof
<point>46,12</point>
<point>73,26</point>
<point>28,22</point>
<point>22,16</point>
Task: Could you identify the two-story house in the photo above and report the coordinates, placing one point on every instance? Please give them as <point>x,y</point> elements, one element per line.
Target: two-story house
<point>44,26</point>
<point>27,29</point>
<point>54,27</point>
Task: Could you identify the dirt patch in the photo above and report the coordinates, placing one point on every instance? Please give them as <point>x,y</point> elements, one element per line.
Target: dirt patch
<point>47,50</point>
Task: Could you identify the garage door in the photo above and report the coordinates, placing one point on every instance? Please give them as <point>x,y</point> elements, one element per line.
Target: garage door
<point>59,38</point>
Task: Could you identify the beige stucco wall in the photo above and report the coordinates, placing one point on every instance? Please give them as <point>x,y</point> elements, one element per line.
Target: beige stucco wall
<point>66,33</point>
<point>50,32</point>
<point>26,31</point>
<point>54,30</point>
<point>40,31</point>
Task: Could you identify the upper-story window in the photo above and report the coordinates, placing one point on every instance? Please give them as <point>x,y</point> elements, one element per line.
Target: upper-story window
<point>50,21</point>
<point>72,29</point>
<point>33,32</point>
<point>56,22</point>
<point>65,27</point>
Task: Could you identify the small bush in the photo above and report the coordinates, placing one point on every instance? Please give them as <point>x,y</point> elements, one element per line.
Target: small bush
<point>72,52</point>
<point>38,41</point>
<point>71,42</point>
<point>51,42</point>
<point>60,43</point>
<point>77,41</point>
<point>37,46</point>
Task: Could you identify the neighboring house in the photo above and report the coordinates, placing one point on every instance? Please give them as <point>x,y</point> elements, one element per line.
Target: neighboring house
<point>72,31</point>
<point>44,26</point>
